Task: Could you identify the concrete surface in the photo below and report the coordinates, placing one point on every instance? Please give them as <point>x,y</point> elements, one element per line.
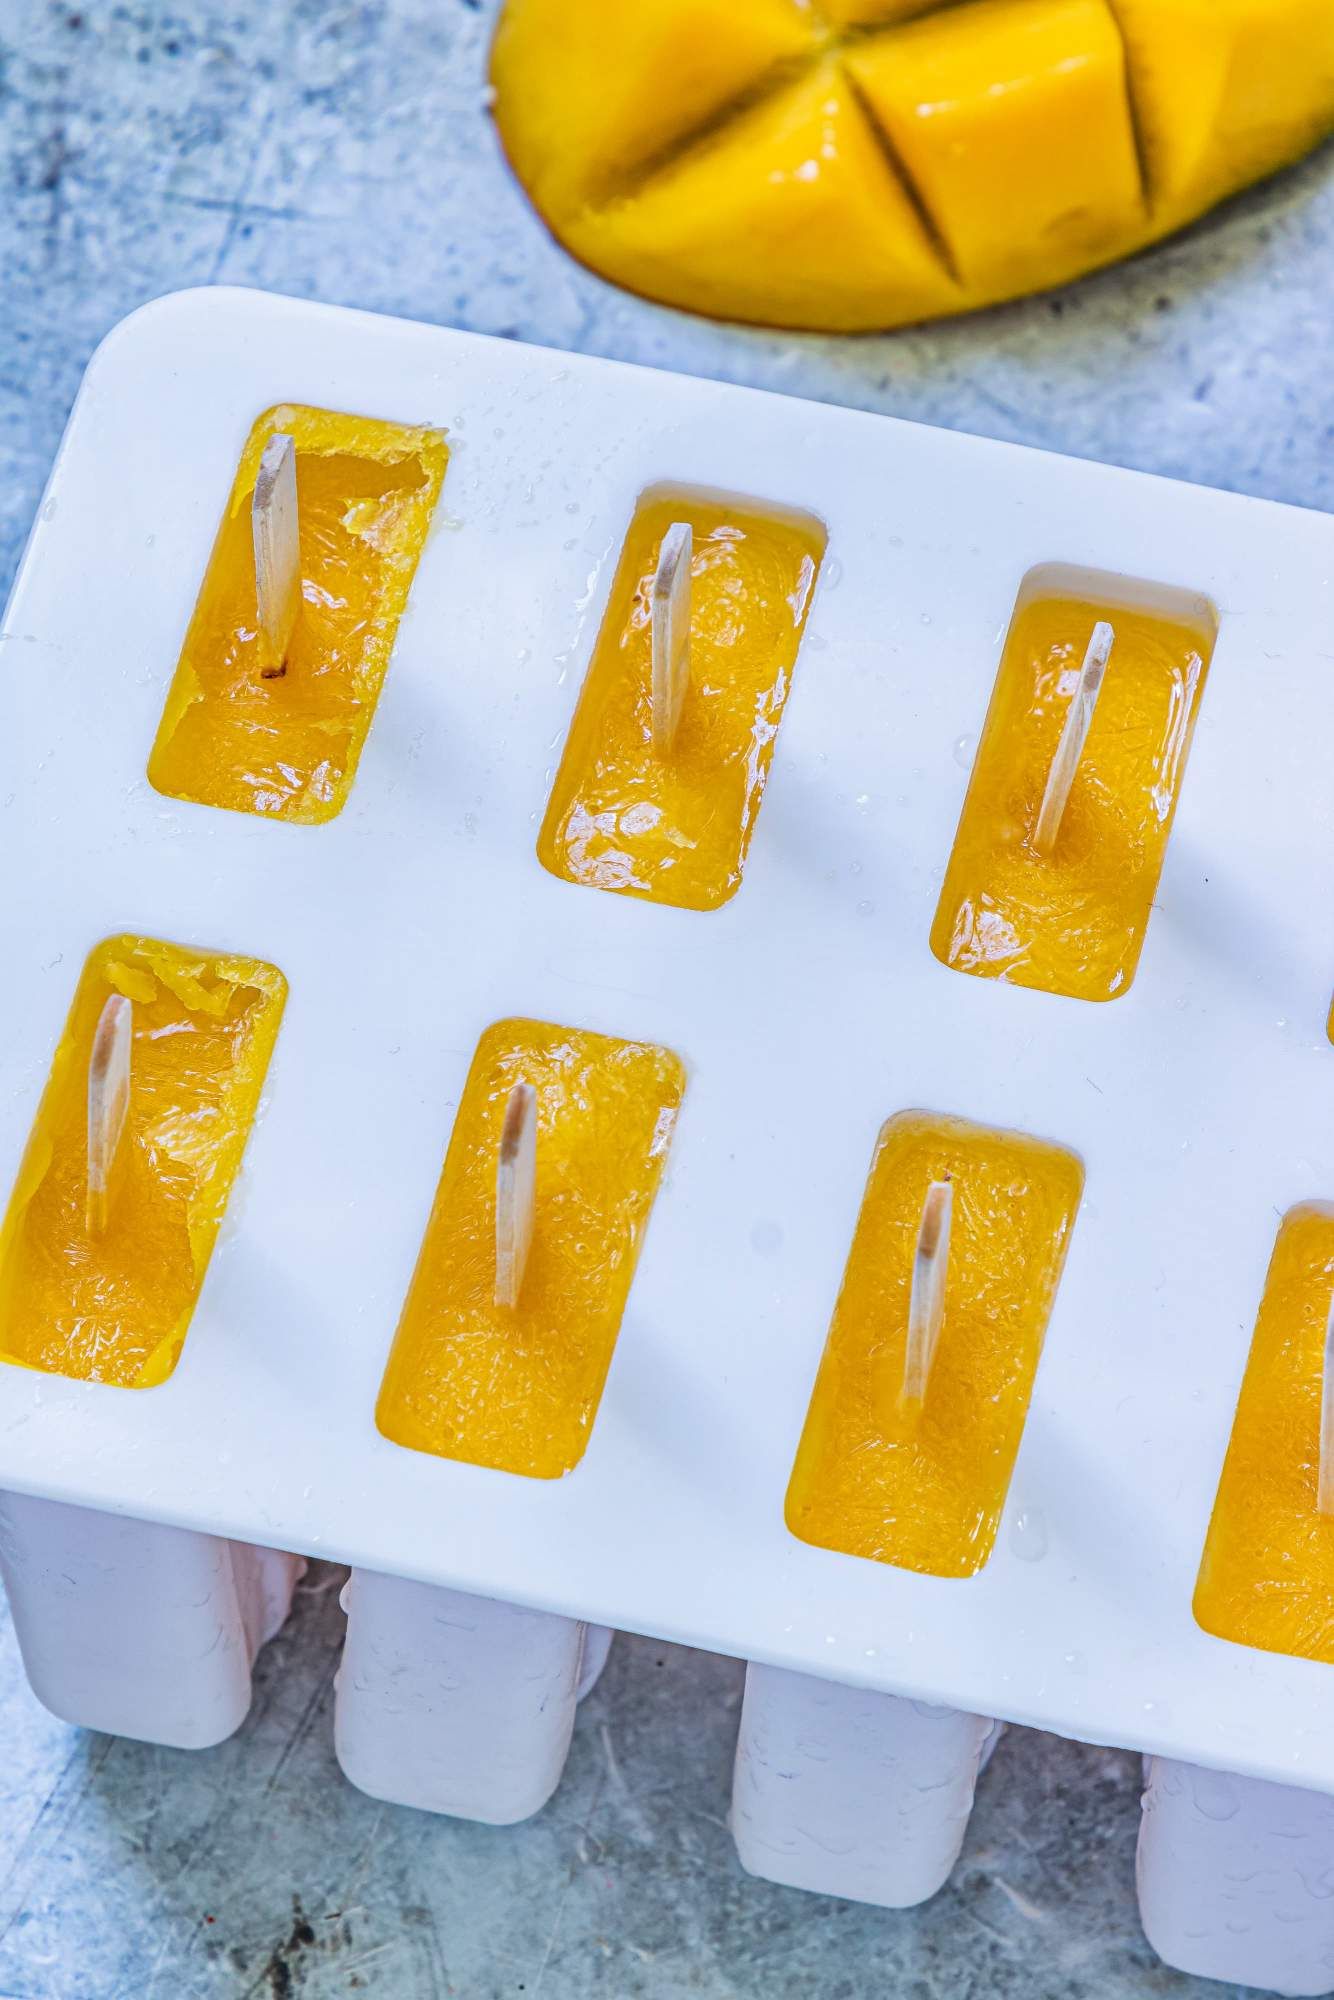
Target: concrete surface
<point>342,151</point>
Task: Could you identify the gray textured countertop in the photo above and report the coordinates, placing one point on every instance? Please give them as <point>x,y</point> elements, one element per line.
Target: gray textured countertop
<point>343,152</point>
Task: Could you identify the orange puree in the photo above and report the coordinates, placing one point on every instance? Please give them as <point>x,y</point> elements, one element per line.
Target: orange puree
<point>518,1387</point>
<point>1267,1575</point>
<point>924,1489</point>
<point>676,829</point>
<point>1073,922</point>
<point>288,747</point>
<point>116,1308</point>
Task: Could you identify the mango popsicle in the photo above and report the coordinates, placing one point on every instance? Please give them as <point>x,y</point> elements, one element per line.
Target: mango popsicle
<point>1073,921</point>
<point>517,1387</point>
<point>676,828</point>
<point>286,745</point>
<point>924,1488</point>
<point>115,1307</point>
<point>1267,1574</point>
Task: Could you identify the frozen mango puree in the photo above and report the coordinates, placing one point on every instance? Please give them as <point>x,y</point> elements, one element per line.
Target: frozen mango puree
<point>287,745</point>
<point>923,1487</point>
<point>676,828</point>
<point>851,165</point>
<point>1073,921</point>
<point>115,1307</point>
<point>1267,1575</point>
<point>518,1387</point>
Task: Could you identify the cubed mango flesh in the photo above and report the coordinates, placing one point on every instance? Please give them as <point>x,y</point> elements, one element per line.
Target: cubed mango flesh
<point>857,164</point>
<point>980,104</point>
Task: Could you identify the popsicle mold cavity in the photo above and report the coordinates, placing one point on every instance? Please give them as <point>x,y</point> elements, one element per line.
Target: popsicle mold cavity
<point>517,1387</point>
<point>1072,921</point>
<point>924,1488</point>
<point>1267,1575</point>
<point>115,1307</point>
<point>676,828</point>
<point>285,744</point>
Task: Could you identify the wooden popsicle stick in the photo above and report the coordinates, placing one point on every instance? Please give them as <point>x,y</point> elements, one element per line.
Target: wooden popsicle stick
<point>516,1177</point>
<point>926,1306</point>
<point>1073,738</point>
<point>1325,1484</point>
<point>108,1104</point>
<point>671,634</point>
<point>274,526</point>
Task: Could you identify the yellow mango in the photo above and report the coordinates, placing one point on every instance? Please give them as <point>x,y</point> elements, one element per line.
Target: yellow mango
<point>517,1387</point>
<point>791,198</point>
<point>679,64</point>
<point>979,106</point>
<point>1073,921</point>
<point>1267,1574</point>
<point>116,1307</point>
<point>857,164</point>
<point>874,13</point>
<point>923,1488</point>
<point>676,829</point>
<point>287,747</point>
<point>1225,91</point>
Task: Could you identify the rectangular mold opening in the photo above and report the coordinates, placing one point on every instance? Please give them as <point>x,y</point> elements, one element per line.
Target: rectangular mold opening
<point>676,828</point>
<point>517,1387</point>
<point>115,1307</point>
<point>1267,1572</point>
<point>285,744</point>
<point>923,1486</point>
<point>1073,921</point>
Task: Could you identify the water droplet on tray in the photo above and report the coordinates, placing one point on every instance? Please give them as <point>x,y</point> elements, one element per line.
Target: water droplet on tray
<point>1215,1794</point>
<point>1028,1534</point>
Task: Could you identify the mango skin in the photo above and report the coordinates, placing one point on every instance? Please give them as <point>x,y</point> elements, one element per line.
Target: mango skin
<point>864,164</point>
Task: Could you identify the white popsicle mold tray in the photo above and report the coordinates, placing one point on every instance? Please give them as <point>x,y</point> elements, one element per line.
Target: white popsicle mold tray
<point>807,1010</point>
